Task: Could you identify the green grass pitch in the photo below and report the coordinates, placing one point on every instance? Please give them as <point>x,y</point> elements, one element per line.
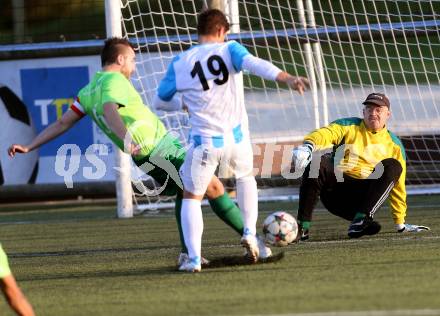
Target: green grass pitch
<point>82,261</point>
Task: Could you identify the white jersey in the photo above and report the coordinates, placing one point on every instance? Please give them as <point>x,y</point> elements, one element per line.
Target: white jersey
<point>207,76</point>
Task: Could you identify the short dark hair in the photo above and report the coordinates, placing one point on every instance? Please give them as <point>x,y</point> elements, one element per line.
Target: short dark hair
<point>210,21</point>
<point>112,48</point>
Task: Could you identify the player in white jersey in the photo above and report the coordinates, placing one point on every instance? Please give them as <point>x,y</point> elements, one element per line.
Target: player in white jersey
<point>207,76</point>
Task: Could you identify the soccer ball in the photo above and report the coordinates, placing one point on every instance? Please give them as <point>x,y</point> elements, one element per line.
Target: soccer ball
<point>280,229</point>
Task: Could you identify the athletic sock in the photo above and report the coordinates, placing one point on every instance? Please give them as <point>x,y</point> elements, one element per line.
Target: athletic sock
<point>228,212</point>
<point>247,196</point>
<point>305,225</point>
<point>359,215</point>
<point>192,227</point>
<point>178,214</point>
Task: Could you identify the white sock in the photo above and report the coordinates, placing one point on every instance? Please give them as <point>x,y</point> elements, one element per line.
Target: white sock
<point>192,227</point>
<point>247,196</point>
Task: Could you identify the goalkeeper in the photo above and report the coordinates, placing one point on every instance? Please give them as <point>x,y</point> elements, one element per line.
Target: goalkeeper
<point>357,164</point>
<point>117,109</point>
<point>10,289</point>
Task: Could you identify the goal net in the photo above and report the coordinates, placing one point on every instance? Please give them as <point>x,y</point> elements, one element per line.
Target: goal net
<point>348,49</point>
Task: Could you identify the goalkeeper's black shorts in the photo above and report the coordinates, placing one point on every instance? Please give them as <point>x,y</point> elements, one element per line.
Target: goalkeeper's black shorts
<point>349,197</point>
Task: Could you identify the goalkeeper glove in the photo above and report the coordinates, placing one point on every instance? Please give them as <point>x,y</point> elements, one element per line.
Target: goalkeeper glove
<point>302,155</point>
<point>410,228</point>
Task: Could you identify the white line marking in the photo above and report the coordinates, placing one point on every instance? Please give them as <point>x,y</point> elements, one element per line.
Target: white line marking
<point>402,312</point>
<point>342,241</point>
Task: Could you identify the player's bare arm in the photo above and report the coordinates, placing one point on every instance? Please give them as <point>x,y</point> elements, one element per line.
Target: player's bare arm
<point>15,296</point>
<point>115,123</point>
<point>52,131</point>
<point>299,83</point>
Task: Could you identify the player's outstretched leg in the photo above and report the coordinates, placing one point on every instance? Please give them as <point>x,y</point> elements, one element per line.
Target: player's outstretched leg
<point>228,212</point>
<point>223,206</point>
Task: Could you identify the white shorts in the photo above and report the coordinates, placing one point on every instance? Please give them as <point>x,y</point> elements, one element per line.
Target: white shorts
<point>202,161</point>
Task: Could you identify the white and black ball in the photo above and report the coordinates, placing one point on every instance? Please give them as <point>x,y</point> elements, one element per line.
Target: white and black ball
<point>280,229</point>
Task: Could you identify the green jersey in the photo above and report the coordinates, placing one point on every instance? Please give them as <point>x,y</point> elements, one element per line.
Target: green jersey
<point>4,266</point>
<point>144,126</point>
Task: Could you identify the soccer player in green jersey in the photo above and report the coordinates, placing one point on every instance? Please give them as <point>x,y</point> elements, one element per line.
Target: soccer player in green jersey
<point>10,289</point>
<point>117,108</point>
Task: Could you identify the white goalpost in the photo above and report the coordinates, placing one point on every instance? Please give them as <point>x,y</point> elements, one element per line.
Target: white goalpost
<point>124,191</point>
<point>346,48</point>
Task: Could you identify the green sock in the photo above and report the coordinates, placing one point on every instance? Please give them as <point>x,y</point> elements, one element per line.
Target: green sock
<point>228,212</point>
<point>305,225</point>
<point>177,211</point>
<point>359,215</point>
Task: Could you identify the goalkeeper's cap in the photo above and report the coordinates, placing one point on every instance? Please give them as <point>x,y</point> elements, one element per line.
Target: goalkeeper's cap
<point>378,99</point>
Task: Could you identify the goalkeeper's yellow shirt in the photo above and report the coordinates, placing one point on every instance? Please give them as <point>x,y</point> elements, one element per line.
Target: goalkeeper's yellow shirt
<point>360,150</point>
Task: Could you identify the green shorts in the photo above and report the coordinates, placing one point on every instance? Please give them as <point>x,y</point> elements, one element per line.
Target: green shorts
<point>163,165</point>
<point>4,266</point>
